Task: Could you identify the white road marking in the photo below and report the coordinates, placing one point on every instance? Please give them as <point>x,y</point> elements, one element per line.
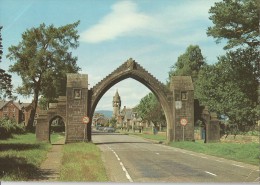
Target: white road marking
<point>115,154</point>
<point>219,161</point>
<point>257,179</point>
<point>210,173</point>
<point>238,165</point>
<point>157,153</point>
<point>203,157</point>
<point>122,166</point>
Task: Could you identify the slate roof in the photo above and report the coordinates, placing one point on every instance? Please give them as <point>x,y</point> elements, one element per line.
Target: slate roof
<point>3,103</point>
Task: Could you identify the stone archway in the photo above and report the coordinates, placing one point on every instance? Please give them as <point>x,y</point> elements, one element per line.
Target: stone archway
<point>177,103</point>
<point>131,69</point>
<point>57,128</point>
<point>45,117</point>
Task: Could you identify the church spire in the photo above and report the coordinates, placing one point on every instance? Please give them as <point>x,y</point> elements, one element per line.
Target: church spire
<point>116,104</point>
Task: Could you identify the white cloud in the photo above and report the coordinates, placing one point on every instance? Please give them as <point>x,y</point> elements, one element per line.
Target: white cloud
<point>164,23</point>
<point>123,19</point>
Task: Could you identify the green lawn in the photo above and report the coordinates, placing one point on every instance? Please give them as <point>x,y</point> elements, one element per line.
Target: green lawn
<point>20,157</point>
<point>246,152</point>
<point>243,152</point>
<point>82,162</point>
<point>157,137</point>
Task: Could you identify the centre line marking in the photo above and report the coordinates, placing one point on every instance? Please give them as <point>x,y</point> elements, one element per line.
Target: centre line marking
<point>122,166</point>
<point>210,173</point>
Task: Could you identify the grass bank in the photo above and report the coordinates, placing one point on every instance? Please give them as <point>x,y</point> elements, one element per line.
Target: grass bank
<point>246,152</point>
<point>243,152</point>
<point>157,137</point>
<point>21,156</point>
<point>82,162</point>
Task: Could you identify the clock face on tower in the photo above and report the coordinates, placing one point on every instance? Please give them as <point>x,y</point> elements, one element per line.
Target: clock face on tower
<point>115,104</point>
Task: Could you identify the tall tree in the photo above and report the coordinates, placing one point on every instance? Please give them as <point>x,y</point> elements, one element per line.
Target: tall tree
<point>150,109</point>
<point>43,58</point>
<point>5,78</point>
<point>230,87</point>
<point>237,21</point>
<point>189,63</point>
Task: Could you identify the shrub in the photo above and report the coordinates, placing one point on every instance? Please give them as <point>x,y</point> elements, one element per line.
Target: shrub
<point>9,127</point>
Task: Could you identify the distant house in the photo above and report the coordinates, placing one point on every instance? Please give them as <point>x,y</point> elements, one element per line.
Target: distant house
<point>19,112</point>
<point>99,119</point>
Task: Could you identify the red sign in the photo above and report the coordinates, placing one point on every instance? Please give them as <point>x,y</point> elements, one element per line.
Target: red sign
<point>85,120</point>
<point>184,121</point>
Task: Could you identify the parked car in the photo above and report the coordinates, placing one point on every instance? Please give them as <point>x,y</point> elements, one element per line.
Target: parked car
<point>109,129</point>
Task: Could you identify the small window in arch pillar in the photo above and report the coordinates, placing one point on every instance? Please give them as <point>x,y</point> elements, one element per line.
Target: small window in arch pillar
<point>77,93</point>
<point>184,95</point>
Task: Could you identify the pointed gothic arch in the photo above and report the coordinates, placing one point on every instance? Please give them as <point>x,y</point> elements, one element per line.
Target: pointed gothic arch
<point>131,69</point>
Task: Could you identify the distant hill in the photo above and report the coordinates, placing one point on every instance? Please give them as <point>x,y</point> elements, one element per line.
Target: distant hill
<point>107,113</point>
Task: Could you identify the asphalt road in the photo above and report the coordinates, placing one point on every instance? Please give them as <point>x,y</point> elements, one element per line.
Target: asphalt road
<point>133,159</point>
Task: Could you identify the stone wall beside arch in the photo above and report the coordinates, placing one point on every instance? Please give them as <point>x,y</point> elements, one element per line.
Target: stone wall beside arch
<point>45,116</point>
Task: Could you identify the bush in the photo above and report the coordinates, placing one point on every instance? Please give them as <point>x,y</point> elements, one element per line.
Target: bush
<point>9,127</point>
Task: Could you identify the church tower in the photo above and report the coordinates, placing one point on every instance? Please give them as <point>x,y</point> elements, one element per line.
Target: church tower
<point>116,105</point>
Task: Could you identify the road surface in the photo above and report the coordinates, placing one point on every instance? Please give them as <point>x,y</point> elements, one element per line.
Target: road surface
<point>133,159</point>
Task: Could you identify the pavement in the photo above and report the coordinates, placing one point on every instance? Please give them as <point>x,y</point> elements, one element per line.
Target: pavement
<point>50,169</point>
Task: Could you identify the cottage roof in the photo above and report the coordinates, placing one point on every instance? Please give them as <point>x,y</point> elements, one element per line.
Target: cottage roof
<point>128,113</point>
<point>19,105</point>
<point>3,103</point>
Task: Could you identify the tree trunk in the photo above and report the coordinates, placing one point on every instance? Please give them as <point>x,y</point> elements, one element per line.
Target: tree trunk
<point>30,126</point>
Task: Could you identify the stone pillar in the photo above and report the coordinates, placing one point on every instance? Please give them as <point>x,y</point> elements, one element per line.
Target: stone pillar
<point>183,107</point>
<point>42,127</point>
<point>77,102</point>
<point>213,129</point>
<point>61,107</point>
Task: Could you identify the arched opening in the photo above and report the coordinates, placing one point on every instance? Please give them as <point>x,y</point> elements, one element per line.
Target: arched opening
<point>145,78</point>
<point>56,129</point>
<point>129,119</point>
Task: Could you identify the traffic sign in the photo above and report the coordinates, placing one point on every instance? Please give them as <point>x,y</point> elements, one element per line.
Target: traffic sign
<point>184,121</point>
<point>85,120</point>
<point>178,104</point>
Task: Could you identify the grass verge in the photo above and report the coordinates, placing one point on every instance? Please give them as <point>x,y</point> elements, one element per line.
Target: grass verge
<point>247,152</point>
<point>243,152</point>
<point>82,162</point>
<point>21,156</point>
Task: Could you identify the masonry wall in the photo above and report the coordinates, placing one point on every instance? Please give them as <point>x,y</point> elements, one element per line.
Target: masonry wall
<point>77,97</point>
<point>42,127</point>
<point>185,112</point>
<point>183,107</point>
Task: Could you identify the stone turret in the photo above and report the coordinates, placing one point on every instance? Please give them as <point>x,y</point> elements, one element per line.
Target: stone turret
<point>116,105</point>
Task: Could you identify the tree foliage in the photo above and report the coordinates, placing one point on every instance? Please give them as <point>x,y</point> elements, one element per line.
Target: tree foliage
<point>230,87</point>
<point>5,78</point>
<point>237,21</point>
<point>189,63</point>
<point>150,109</point>
<point>42,59</point>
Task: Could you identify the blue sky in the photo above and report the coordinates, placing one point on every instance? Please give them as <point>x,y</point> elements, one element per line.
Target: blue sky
<point>152,32</point>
